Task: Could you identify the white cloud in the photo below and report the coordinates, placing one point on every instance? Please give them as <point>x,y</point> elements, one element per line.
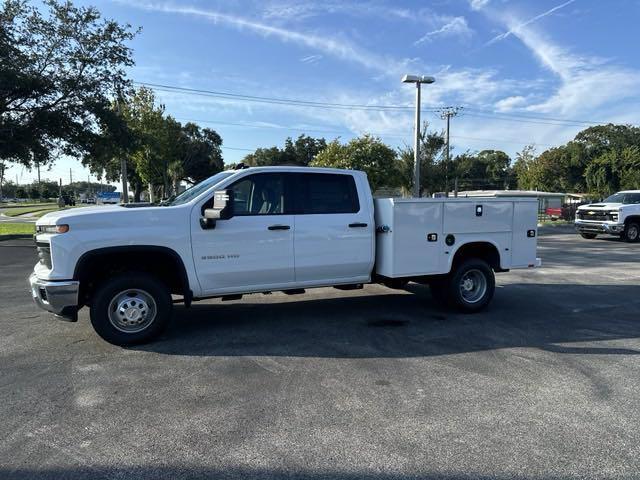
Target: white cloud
<point>336,47</point>
<point>296,11</point>
<point>521,25</point>
<point>454,26</point>
<point>478,4</point>
<point>310,59</point>
<point>509,103</point>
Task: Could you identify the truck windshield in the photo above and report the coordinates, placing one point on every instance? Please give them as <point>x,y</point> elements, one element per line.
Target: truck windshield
<point>626,198</point>
<point>192,192</point>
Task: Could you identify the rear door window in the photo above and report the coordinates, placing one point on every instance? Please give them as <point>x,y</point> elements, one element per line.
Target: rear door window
<point>326,193</point>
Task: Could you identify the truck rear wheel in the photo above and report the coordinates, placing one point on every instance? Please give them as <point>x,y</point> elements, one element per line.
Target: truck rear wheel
<point>631,232</point>
<point>130,309</point>
<point>471,286</point>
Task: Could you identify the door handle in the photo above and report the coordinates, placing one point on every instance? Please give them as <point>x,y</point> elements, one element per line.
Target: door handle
<point>357,225</point>
<point>278,227</point>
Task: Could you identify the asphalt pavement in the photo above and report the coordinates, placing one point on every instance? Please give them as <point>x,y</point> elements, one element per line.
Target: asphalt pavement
<point>375,383</point>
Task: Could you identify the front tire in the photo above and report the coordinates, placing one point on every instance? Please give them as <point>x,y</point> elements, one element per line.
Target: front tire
<point>588,236</point>
<point>471,286</point>
<point>130,309</point>
<point>631,232</point>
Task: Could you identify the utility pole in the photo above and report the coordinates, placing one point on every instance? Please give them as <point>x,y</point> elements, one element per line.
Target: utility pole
<point>446,113</point>
<point>123,160</point>
<point>39,183</point>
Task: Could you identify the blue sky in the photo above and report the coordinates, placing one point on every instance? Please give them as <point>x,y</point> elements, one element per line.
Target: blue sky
<point>520,68</point>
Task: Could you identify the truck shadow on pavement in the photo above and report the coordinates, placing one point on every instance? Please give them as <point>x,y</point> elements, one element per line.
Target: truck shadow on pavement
<point>402,324</point>
<point>188,472</point>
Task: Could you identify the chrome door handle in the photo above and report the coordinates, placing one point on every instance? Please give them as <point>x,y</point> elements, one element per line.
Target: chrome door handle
<point>278,227</point>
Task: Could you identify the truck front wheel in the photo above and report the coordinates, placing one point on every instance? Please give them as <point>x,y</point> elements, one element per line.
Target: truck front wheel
<point>130,309</point>
<point>471,286</point>
<point>632,232</point>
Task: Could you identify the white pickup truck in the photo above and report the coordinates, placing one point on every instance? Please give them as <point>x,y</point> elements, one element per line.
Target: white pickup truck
<point>617,215</point>
<point>266,229</point>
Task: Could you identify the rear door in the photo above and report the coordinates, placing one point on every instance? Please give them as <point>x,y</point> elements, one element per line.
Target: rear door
<point>333,230</point>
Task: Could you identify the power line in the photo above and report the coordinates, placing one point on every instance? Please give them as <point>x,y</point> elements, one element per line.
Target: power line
<point>275,100</point>
<point>534,117</point>
<point>524,117</point>
<point>379,134</point>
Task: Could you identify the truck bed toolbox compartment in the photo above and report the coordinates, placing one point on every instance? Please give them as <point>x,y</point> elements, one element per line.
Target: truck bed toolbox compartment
<point>417,237</point>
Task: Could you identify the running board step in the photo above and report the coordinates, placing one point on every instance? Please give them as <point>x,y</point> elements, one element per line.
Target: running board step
<point>352,286</point>
<point>295,291</point>
<point>226,298</point>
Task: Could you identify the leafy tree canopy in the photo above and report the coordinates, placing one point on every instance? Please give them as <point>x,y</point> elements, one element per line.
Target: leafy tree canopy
<point>59,68</point>
<point>301,153</point>
<point>365,153</point>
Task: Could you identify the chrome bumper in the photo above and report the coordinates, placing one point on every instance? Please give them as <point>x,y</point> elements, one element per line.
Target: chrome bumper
<point>59,298</point>
<point>599,227</point>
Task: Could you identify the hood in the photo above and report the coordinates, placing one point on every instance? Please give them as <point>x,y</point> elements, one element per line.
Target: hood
<point>61,216</point>
<point>601,206</point>
<point>102,215</point>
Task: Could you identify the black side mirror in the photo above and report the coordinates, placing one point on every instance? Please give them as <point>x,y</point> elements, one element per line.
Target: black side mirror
<point>222,209</point>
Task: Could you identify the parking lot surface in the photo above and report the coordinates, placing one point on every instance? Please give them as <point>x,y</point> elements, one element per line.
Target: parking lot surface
<point>375,383</point>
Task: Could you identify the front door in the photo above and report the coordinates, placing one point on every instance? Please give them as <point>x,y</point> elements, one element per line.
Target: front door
<point>253,250</point>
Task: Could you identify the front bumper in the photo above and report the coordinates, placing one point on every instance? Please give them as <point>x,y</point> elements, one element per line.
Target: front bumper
<point>599,227</point>
<point>59,298</point>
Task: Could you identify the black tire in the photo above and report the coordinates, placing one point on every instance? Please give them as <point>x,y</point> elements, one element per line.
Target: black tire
<point>475,271</point>
<point>588,236</point>
<point>134,290</point>
<point>631,232</point>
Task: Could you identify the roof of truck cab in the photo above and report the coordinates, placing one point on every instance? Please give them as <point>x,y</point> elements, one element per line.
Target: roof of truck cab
<point>296,168</point>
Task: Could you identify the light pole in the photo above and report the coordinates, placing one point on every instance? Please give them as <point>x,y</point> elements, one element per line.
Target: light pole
<point>418,80</point>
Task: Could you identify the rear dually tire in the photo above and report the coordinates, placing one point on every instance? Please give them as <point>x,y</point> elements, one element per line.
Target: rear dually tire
<point>471,286</point>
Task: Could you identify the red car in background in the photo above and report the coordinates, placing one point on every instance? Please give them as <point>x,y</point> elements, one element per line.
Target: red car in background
<point>566,212</point>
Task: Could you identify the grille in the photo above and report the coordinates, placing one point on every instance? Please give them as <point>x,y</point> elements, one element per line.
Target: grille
<point>44,253</point>
<point>595,216</point>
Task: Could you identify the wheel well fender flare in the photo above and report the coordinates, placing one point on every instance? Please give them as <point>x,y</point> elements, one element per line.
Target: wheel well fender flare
<point>488,250</point>
<point>86,258</point>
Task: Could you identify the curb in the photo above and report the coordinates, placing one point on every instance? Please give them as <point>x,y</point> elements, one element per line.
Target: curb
<point>16,236</point>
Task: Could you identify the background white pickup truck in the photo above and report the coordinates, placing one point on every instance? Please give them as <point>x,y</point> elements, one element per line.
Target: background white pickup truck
<point>617,215</point>
<point>271,228</point>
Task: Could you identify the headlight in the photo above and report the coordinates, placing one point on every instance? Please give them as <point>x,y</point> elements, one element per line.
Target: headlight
<point>64,228</point>
<point>614,216</point>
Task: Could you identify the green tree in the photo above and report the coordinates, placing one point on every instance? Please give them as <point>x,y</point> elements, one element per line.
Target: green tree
<point>614,170</point>
<point>200,154</point>
<point>432,168</point>
<point>60,65</point>
<point>365,153</point>
<point>522,167</point>
<point>301,152</point>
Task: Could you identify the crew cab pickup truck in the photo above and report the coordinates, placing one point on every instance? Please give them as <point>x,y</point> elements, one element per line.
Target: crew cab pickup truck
<point>266,229</point>
<point>617,215</point>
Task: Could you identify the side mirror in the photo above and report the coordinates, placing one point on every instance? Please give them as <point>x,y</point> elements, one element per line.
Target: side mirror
<point>222,209</point>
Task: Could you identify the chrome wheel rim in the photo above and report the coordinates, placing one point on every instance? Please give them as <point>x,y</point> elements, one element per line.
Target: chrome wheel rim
<point>473,286</point>
<point>632,232</point>
<point>132,310</point>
